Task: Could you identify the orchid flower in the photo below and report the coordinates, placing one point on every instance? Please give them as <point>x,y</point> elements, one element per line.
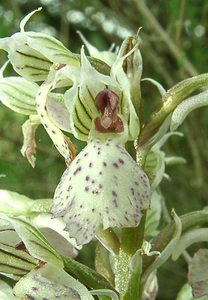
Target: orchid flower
<point>103,186</point>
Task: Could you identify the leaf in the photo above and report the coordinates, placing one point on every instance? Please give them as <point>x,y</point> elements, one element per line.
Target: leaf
<point>86,275</point>
<point>198,273</point>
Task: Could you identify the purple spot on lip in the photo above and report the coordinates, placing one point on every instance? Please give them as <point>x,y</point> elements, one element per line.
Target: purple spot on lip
<point>114,193</point>
<point>104,164</point>
<point>86,189</point>
<point>90,165</point>
<point>77,170</point>
<point>121,161</point>
<point>87,178</point>
<point>78,161</point>
<point>116,165</point>
<point>69,188</point>
<point>132,191</point>
<point>126,218</point>
<point>115,202</point>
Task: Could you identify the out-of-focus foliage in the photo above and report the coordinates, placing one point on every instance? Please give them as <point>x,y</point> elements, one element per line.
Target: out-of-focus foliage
<point>174,40</point>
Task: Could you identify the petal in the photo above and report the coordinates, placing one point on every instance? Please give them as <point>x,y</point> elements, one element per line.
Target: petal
<point>127,107</point>
<point>28,149</point>
<point>80,99</point>
<point>58,112</point>
<point>132,66</point>
<point>107,56</point>
<point>61,142</point>
<point>102,186</point>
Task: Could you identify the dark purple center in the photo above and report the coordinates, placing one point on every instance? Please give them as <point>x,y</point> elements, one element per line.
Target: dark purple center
<point>107,102</point>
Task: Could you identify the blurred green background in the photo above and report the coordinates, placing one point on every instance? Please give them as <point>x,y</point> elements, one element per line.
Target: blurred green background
<point>174,41</point>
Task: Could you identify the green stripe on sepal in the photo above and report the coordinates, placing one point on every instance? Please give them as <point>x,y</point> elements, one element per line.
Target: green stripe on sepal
<point>18,94</point>
<point>27,62</point>
<point>51,48</point>
<point>35,242</point>
<point>15,263</point>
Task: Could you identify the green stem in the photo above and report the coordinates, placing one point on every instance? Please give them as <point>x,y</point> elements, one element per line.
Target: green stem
<point>134,286</point>
<point>127,276</point>
<point>132,238</point>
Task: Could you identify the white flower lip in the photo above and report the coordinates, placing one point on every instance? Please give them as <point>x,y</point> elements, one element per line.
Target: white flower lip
<point>111,190</point>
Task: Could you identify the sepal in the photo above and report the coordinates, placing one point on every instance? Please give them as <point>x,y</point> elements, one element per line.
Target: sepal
<point>33,53</point>
<point>50,282</point>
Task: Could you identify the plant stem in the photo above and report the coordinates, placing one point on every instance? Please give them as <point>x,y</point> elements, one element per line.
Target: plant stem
<point>132,238</point>
<point>127,276</point>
